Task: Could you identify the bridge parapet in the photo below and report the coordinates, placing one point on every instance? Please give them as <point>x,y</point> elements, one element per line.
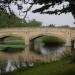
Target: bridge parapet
<point>29,33</point>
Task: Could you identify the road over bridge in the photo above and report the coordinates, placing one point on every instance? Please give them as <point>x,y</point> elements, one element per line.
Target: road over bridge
<point>28,34</point>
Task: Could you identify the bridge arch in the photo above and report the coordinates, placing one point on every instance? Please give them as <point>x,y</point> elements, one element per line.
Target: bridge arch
<point>32,33</point>
<point>5,36</point>
<point>11,43</point>
<point>9,35</point>
<point>41,35</point>
<point>31,40</point>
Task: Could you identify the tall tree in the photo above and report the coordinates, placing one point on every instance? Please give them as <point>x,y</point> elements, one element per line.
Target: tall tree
<point>7,20</point>
<point>44,9</point>
<point>70,7</point>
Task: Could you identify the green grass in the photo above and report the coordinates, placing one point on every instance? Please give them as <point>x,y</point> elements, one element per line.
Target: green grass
<point>54,68</point>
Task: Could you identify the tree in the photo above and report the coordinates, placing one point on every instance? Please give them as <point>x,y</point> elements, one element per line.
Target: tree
<point>51,25</point>
<point>64,26</point>
<point>7,20</point>
<point>34,23</point>
<point>44,9</point>
<point>51,3</point>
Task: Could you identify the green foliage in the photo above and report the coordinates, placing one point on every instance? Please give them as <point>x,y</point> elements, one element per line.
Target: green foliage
<point>7,20</point>
<point>34,23</point>
<point>53,41</point>
<point>46,5</point>
<point>51,25</point>
<point>64,26</point>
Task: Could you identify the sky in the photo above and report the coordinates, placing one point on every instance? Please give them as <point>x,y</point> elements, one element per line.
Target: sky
<point>58,20</point>
<point>63,19</point>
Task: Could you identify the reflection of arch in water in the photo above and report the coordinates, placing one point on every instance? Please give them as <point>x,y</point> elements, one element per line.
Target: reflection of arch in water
<point>12,43</point>
<point>3,37</point>
<point>41,35</point>
<point>31,41</point>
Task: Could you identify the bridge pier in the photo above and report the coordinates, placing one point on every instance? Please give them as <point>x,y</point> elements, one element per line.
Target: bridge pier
<point>27,33</point>
<point>31,45</point>
<point>27,43</point>
<point>68,45</point>
<point>27,53</point>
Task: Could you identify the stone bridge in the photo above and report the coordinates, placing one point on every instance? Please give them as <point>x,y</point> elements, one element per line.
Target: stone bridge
<point>28,34</point>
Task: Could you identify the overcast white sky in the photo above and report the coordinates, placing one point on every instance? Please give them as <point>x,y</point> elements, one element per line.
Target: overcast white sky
<point>63,19</point>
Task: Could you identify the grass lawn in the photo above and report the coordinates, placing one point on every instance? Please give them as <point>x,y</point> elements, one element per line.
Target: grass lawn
<point>62,67</point>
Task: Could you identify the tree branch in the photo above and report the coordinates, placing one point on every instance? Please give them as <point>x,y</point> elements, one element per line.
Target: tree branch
<point>27,10</point>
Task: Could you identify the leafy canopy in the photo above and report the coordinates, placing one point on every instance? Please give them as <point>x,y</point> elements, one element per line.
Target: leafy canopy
<point>45,8</point>
<point>7,20</point>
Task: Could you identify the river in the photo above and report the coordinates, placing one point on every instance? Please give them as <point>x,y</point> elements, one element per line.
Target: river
<point>41,49</point>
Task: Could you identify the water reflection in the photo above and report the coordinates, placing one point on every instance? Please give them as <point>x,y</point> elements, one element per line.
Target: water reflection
<point>11,65</point>
<point>39,48</point>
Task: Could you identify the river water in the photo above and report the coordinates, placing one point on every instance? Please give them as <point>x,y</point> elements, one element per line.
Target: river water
<point>41,49</point>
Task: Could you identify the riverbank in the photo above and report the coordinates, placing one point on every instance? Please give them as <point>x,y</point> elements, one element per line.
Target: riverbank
<point>62,67</point>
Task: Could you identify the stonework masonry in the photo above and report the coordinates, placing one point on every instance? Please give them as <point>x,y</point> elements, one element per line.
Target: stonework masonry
<point>28,34</point>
